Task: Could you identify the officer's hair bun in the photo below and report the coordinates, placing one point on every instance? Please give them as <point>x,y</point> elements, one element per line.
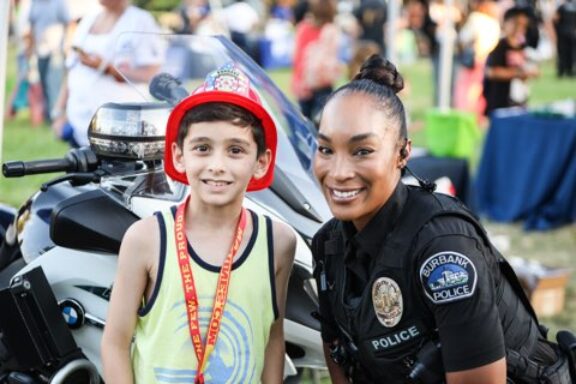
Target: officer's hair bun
<point>381,71</point>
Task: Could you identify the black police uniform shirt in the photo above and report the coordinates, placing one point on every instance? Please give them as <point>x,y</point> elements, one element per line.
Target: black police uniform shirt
<point>449,250</point>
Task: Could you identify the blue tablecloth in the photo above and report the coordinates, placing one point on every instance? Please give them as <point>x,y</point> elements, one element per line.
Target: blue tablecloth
<point>528,171</point>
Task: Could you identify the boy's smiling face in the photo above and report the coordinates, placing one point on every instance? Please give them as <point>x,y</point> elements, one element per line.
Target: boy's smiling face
<point>219,159</point>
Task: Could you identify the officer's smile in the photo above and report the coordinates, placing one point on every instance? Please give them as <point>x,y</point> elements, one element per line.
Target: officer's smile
<point>342,195</point>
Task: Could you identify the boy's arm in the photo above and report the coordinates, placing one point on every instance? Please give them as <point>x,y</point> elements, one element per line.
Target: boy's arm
<point>509,73</point>
<point>284,249</point>
<point>136,256</point>
<point>497,68</point>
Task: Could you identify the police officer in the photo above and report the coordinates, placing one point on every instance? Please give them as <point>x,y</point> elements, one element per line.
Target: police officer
<point>410,288</point>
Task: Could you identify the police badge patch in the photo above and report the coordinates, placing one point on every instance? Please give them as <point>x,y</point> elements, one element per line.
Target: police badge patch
<point>448,276</point>
<point>387,301</point>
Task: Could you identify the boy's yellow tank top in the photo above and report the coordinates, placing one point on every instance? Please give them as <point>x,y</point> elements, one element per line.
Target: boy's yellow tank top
<point>162,350</point>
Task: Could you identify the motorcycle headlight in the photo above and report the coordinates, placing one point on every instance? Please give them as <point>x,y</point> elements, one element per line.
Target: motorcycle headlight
<point>129,131</point>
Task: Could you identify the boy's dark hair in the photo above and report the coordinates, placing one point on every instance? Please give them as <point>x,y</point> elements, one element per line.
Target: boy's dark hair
<point>210,112</point>
<point>323,11</point>
<point>517,11</point>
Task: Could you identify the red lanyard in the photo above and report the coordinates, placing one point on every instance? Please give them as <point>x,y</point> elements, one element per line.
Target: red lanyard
<point>191,296</point>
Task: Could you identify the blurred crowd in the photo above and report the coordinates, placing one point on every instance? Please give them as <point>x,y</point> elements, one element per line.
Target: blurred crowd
<point>64,45</point>
<point>67,49</point>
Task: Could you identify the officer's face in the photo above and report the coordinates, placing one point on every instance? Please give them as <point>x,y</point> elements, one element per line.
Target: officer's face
<point>358,161</point>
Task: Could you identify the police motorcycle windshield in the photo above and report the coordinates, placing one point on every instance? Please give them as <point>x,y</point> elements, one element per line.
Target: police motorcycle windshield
<point>185,62</point>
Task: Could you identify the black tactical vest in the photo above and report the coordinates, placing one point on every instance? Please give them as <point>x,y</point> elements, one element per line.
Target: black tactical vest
<point>386,353</point>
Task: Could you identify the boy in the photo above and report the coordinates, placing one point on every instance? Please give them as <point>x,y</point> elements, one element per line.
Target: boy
<point>203,290</point>
<point>506,66</point>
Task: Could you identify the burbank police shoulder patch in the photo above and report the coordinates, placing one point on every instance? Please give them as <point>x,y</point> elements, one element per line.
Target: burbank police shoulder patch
<point>387,301</point>
<point>448,276</point>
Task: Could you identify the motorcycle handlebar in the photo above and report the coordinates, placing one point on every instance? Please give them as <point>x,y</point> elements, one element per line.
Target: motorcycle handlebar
<point>23,168</point>
<point>77,160</point>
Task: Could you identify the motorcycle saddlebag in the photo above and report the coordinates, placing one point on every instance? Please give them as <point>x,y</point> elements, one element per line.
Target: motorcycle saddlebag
<point>32,328</point>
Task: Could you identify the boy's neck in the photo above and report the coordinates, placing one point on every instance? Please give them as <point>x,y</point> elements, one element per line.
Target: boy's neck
<point>212,217</point>
<point>511,41</point>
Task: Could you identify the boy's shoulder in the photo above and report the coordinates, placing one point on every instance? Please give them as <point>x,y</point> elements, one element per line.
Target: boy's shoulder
<point>143,233</point>
<point>278,225</point>
<point>281,229</point>
<point>284,239</point>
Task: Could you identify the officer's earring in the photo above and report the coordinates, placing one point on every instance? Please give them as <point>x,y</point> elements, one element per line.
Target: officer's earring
<point>404,153</point>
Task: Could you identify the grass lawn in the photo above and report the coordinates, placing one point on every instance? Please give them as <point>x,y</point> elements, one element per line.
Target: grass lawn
<point>557,247</point>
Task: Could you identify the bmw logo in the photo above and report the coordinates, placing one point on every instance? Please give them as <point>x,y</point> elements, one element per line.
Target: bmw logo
<point>73,313</point>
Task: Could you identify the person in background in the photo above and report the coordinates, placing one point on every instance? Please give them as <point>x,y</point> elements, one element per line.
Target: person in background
<point>20,28</point>
<point>477,38</point>
<point>49,21</point>
<point>371,17</point>
<point>507,67</point>
<point>242,20</point>
<point>565,26</point>
<point>533,10</point>
<point>103,52</point>
<point>316,62</point>
<point>300,9</point>
<point>192,12</point>
<point>419,20</point>
<point>283,10</point>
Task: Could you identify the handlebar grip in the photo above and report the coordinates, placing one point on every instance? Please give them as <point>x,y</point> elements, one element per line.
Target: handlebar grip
<point>13,169</point>
<point>23,168</point>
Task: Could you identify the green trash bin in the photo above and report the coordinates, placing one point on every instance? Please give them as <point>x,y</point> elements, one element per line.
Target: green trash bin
<point>451,133</point>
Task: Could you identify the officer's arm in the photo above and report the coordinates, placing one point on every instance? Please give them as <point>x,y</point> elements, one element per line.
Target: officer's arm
<point>456,282</point>
<point>493,373</point>
<point>337,375</point>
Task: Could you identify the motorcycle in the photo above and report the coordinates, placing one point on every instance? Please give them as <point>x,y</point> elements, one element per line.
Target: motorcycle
<point>58,250</point>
